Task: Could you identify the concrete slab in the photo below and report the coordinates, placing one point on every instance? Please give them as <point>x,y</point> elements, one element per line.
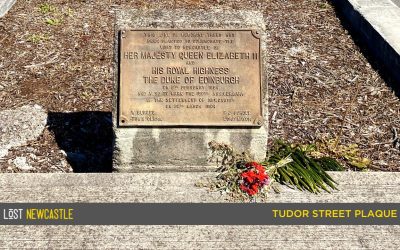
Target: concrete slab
<point>5,6</point>
<point>180,187</point>
<point>376,24</point>
<point>200,237</point>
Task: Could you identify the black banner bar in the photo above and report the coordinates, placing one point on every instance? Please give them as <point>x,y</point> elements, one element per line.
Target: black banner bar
<point>199,213</point>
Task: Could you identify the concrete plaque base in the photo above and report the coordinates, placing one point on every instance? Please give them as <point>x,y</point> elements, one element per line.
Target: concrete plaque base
<point>184,148</point>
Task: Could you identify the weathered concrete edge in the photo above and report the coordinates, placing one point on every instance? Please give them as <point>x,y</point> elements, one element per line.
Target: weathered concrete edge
<point>384,47</point>
<point>6,6</point>
<point>178,187</point>
<point>200,237</point>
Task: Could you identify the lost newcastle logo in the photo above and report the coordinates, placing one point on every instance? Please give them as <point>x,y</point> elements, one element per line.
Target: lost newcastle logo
<point>37,214</point>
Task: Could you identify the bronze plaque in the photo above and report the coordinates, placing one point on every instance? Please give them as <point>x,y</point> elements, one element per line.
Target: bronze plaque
<point>190,78</point>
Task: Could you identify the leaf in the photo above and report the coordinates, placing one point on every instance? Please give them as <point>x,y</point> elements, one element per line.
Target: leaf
<point>276,189</point>
<point>303,172</point>
<point>360,163</point>
<point>53,21</point>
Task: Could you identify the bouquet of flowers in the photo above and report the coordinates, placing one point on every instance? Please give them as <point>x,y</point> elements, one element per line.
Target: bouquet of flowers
<point>241,177</point>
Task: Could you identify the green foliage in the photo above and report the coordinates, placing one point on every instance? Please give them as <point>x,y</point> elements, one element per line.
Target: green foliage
<point>329,164</point>
<point>350,153</point>
<point>69,12</point>
<point>46,8</point>
<point>324,5</point>
<point>37,38</point>
<point>303,172</point>
<point>53,15</point>
<point>53,21</point>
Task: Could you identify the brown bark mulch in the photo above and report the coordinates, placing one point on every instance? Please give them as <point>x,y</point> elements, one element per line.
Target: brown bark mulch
<point>58,54</point>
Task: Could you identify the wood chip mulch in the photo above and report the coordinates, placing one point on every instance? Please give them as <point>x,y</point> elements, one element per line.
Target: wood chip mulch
<point>59,53</point>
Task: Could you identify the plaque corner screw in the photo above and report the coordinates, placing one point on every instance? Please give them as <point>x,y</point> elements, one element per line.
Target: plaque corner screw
<point>258,121</point>
<point>256,33</point>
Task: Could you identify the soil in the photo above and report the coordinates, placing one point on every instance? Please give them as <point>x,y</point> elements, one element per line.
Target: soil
<point>58,54</point>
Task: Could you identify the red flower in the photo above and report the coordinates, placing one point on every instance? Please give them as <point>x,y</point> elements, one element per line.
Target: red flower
<point>254,178</point>
<point>249,176</point>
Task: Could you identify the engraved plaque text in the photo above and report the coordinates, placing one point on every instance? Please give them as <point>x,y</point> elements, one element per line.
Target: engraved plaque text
<point>190,78</point>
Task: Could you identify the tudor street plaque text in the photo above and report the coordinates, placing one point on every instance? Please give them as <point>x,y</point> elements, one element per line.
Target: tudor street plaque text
<point>190,78</point>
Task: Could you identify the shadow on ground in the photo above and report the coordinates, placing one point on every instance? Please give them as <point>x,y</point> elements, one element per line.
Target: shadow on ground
<point>86,137</point>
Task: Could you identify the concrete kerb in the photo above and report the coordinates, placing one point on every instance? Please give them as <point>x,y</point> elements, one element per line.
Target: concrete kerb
<point>375,25</point>
<point>180,187</point>
<point>5,6</point>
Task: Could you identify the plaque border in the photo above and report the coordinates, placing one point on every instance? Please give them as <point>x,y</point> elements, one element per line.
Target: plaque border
<point>258,124</point>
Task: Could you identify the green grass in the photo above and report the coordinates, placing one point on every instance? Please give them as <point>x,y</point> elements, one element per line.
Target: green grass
<point>53,21</point>
<point>46,8</point>
<point>37,38</point>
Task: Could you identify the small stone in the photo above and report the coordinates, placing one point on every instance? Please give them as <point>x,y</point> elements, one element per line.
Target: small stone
<point>20,125</point>
<point>32,156</point>
<point>30,149</point>
<point>3,152</point>
<point>63,164</point>
<point>21,163</point>
<point>86,28</point>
